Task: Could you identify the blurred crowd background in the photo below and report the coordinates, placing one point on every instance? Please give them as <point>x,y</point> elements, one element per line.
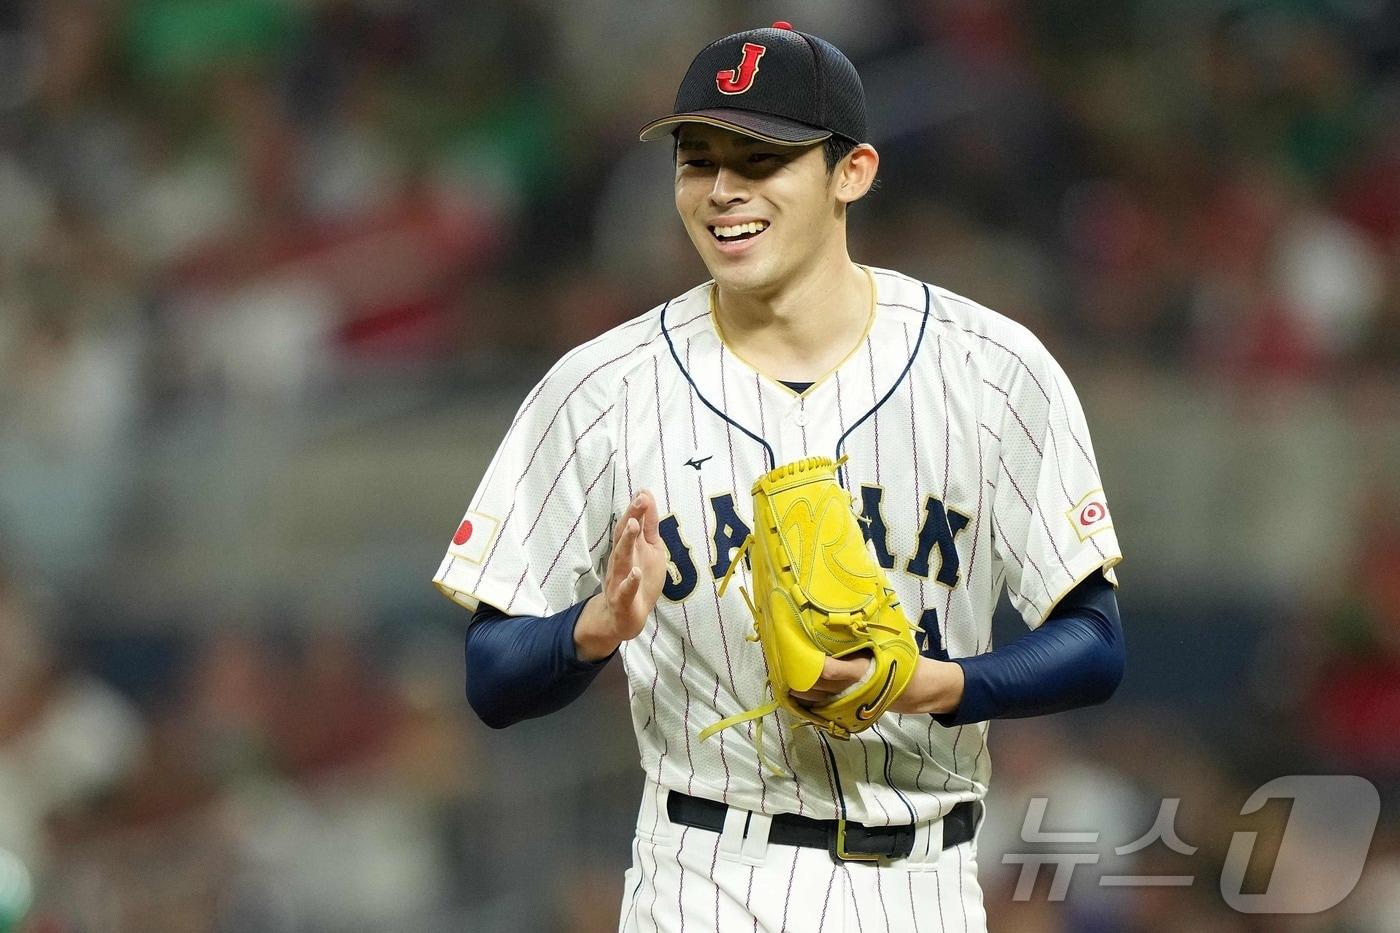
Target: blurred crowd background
<point>274,275</point>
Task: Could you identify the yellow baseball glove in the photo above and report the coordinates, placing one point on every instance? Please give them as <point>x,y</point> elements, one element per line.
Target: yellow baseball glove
<point>819,593</point>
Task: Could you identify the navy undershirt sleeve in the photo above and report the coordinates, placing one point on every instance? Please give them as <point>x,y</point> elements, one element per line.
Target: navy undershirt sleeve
<point>521,667</point>
<point>1075,658</point>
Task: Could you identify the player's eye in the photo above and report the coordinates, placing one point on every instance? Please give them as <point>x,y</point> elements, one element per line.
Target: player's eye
<point>762,156</point>
<point>696,163</point>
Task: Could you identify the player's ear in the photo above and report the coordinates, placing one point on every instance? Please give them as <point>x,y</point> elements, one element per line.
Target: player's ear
<point>856,173</point>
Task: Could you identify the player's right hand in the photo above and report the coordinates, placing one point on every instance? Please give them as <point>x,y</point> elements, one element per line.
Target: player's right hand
<point>632,584</point>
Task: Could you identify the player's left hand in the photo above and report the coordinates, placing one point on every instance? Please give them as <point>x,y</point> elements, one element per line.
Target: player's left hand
<point>936,688</point>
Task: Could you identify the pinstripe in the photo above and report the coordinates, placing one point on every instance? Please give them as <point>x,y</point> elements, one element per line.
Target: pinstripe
<point>827,765</point>
<point>602,533</point>
<point>973,333</point>
<point>632,492</point>
<point>550,426</point>
<point>874,394</point>
<point>972,568</point>
<point>734,484</point>
<point>855,904</point>
<point>680,879</point>
<point>655,888</point>
<point>1017,415</point>
<point>802,407</point>
<point>627,436</point>
<point>948,601</point>
<point>543,505</point>
<point>914,449</point>
<point>705,517</point>
<point>947,429</point>
<point>787,898</point>
<point>880,896</point>
<point>685,613</point>
<point>913,910</point>
<point>569,537</point>
<point>865,751</point>
<point>558,476</point>
<point>830,882</point>
<point>580,350</point>
<point>843,474</point>
<point>723,758</point>
<point>1064,489</point>
<point>1039,514</point>
<point>705,524</point>
<point>919,497</point>
<point>1007,542</point>
<point>938,893</point>
<point>758,393</point>
<point>538,390</point>
<point>994,434</point>
<point>889,773</point>
<point>840,414</point>
<point>782,741</point>
<point>962,895</point>
<point>714,860</point>
<point>641,875</point>
<point>1087,459</point>
<point>748,894</point>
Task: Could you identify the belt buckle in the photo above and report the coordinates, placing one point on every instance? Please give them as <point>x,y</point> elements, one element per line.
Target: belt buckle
<point>846,846</point>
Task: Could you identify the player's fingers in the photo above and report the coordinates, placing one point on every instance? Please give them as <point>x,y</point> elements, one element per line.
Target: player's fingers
<point>651,517</point>
<point>622,559</point>
<point>621,525</point>
<point>627,588</point>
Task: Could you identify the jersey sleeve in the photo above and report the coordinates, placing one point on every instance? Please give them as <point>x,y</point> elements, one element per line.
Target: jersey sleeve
<point>534,536</point>
<point>1051,527</point>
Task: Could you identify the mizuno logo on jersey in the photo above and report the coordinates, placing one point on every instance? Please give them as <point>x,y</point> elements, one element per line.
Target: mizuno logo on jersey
<point>693,462</point>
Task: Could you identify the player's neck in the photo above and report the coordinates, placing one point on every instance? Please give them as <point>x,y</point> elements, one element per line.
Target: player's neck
<point>803,330</point>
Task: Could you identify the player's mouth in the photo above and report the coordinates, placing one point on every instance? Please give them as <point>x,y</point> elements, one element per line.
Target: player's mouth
<point>733,238</point>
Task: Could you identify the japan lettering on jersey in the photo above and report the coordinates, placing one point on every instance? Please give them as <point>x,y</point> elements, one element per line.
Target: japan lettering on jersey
<point>969,458</point>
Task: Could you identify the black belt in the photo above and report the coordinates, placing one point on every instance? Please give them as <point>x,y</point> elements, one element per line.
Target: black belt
<point>860,841</point>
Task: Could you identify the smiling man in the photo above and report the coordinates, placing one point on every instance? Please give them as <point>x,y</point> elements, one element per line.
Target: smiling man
<point>615,506</point>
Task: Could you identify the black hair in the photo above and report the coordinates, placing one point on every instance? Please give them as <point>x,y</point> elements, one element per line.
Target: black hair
<point>835,148</point>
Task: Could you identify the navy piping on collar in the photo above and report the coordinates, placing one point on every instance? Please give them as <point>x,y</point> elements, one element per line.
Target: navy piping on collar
<point>665,332</point>
<point>923,325</point>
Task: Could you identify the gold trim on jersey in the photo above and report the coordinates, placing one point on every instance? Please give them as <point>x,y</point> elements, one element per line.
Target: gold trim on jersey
<point>1106,565</point>
<point>865,335</point>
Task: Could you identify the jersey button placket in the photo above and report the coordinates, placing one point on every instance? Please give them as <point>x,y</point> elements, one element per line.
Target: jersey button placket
<point>793,423</point>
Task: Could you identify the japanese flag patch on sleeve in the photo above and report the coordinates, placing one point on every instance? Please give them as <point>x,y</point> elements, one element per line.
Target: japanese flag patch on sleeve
<point>473,537</point>
<point>1089,515</point>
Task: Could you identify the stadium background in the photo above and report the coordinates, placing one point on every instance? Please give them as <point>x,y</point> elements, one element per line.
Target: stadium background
<point>274,276</point>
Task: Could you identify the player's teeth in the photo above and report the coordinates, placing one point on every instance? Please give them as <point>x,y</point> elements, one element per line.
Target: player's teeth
<point>740,229</point>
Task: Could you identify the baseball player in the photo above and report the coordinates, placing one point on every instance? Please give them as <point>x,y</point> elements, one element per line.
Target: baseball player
<point>618,498</point>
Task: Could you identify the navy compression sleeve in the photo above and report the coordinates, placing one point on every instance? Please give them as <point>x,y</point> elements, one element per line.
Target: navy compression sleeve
<point>521,667</point>
<point>1075,658</point>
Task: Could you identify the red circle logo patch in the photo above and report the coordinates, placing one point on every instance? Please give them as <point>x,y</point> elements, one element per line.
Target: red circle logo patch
<point>1092,513</point>
<point>464,533</point>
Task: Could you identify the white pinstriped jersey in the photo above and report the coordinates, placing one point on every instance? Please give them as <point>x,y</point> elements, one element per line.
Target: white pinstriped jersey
<point>968,453</point>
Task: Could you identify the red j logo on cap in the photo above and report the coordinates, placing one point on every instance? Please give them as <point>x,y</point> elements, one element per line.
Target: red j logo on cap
<point>738,80</point>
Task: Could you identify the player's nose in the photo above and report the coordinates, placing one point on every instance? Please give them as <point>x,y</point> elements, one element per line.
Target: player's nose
<point>730,187</point>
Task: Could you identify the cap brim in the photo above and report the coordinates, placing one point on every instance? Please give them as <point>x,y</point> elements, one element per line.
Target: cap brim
<point>764,126</point>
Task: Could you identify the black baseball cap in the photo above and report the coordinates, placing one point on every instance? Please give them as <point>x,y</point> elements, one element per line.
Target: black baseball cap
<point>776,84</point>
